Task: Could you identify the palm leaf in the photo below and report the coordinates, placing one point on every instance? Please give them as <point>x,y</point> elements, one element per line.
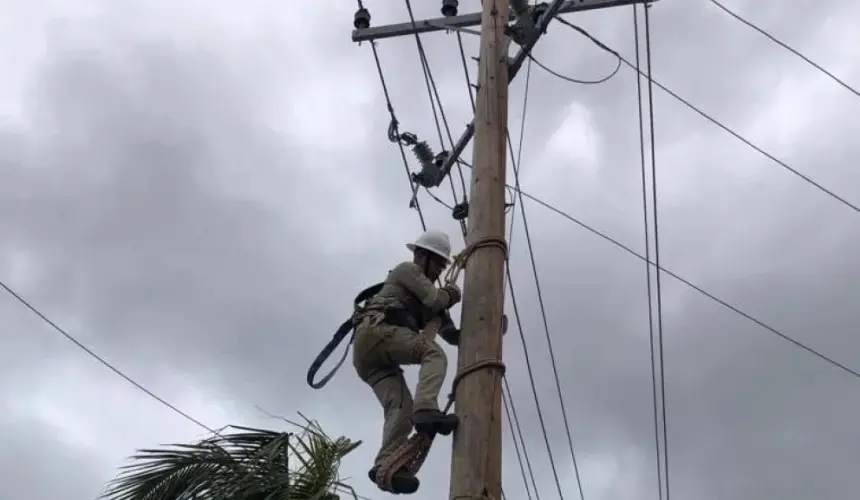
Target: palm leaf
<point>247,464</point>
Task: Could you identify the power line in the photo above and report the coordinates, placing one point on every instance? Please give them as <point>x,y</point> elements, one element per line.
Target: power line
<point>786,47</point>
<point>714,120</point>
<point>515,166</point>
<point>693,286</point>
<point>654,212</point>
<point>515,163</point>
<point>576,80</point>
<point>651,337</point>
<point>532,382</point>
<point>71,338</point>
<point>506,395</point>
<point>393,127</point>
<point>548,337</point>
<point>687,282</point>
<point>433,91</point>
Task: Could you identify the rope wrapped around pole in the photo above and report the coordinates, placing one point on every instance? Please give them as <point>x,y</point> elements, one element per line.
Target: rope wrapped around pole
<point>412,453</point>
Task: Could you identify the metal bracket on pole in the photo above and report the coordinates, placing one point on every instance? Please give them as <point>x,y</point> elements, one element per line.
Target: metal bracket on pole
<point>467,20</point>
<point>517,61</point>
<point>515,65</point>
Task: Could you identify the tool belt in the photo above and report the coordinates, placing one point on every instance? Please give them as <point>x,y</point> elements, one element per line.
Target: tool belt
<point>400,317</point>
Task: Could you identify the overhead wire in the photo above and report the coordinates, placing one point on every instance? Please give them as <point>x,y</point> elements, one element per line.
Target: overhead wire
<point>697,288</point>
<point>516,438</point>
<point>515,164</point>
<point>433,92</point>
<point>716,122</point>
<point>654,212</point>
<point>80,345</point>
<point>548,336</point>
<point>532,382</point>
<point>577,80</point>
<point>651,336</point>
<point>393,127</point>
<point>674,275</point>
<point>785,46</point>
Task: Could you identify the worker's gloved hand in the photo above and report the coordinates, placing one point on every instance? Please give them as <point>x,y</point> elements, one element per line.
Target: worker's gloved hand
<point>454,292</point>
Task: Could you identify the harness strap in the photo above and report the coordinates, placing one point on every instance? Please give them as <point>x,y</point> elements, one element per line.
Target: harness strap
<point>347,328</point>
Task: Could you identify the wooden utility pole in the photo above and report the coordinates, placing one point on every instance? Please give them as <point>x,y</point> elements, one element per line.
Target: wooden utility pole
<point>476,464</point>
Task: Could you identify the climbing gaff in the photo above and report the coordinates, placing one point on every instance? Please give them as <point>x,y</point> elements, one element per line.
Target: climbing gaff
<point>346,328</point>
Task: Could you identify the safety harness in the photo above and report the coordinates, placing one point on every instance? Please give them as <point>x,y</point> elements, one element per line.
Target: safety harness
<point>347,328</point>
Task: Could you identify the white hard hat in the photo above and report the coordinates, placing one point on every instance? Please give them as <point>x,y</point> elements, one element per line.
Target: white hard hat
<point>433,241</point>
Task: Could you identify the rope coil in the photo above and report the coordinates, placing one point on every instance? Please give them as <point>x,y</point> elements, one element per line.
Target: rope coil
<point>459,260</point>
<point>410,455</point>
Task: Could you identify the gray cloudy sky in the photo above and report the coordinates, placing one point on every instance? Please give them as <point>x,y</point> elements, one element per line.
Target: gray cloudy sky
<point>197,190</point>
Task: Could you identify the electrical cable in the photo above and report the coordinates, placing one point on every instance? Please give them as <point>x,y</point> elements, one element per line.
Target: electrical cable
<point>654,212</point>
<point>71,338</point>
<point>716,122</point>
<point>651,337</point>
<point>466,70</point>
<point>693,286</point>
<point>505,397</point>
<point>432,92</point>
<point>532,382</point>
<point>786,47</point>
<point>576,80</point>
<point>543,314</point>
<point>515,163</point>
<point>548,336</point>
<point>393,127</point>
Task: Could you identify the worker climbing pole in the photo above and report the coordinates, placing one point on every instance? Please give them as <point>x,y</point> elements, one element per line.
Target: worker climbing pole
<point>396,323</point>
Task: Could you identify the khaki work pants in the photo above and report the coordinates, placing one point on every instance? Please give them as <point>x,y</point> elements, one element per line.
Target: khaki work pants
<point>378,353</point>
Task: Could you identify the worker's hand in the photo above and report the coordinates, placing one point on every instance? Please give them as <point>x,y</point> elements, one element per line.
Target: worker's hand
<point>454,292</point>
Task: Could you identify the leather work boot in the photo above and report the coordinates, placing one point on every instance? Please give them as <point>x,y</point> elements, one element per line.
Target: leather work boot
<point>402,483</point>
<point>434,421</point>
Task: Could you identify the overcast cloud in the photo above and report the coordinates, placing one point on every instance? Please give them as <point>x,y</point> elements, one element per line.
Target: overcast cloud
<point>197,191</point>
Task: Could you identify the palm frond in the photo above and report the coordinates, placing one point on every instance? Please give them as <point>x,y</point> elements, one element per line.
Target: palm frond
<point>248,464</point>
